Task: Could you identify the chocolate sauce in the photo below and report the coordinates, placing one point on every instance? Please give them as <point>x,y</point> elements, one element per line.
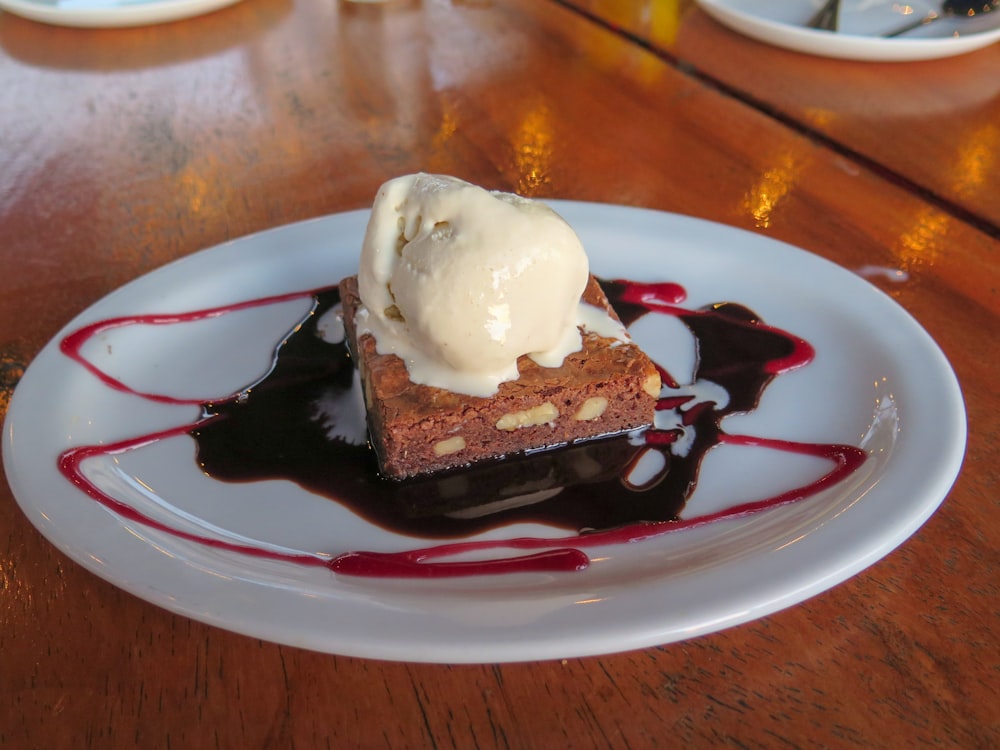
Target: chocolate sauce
<point>599,491</point>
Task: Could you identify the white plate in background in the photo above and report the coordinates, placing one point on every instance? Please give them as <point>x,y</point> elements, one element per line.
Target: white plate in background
<point>110,13</point>
<point>783,23</point>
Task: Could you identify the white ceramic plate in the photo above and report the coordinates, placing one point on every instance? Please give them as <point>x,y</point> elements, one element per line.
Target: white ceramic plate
<point>862,22</point>
<point>110,13</point>
<point>874,369</point>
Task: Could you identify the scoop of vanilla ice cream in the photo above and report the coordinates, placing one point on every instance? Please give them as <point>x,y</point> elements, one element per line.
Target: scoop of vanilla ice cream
<point>459,282</point>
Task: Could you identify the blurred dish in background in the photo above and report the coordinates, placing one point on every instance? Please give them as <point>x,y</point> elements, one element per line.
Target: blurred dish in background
<point>861,26</point>
<point>110,13</point>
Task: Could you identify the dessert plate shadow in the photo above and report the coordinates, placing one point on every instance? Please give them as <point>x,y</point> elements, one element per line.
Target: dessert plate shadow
<point>875,368</point>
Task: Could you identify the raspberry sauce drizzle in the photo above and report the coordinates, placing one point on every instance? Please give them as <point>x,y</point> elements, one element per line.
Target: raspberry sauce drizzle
<point>70,465</point>
<point>274,432</point>
<point>72,345</point>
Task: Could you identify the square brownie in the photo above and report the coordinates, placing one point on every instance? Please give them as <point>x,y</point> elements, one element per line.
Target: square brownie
<point>606,388</point>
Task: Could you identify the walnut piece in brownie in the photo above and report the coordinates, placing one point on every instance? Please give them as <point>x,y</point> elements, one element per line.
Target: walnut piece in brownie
<point>606,388</point>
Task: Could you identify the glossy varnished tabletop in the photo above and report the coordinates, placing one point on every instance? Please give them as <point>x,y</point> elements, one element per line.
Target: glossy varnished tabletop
<point>124,149</point>
<point>932,125</point>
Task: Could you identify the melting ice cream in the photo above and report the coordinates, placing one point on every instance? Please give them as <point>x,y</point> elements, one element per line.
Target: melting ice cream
<point>459,282</point>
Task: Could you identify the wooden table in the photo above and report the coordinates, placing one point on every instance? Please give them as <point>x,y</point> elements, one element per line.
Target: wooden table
<point>124,149</point>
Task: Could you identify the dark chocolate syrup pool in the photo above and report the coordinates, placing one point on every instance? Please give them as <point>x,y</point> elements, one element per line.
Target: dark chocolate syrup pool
<point>613,490</point>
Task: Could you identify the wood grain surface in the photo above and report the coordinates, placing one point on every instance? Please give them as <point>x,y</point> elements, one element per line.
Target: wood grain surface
<point>932,126</point>
<point>124,149</point>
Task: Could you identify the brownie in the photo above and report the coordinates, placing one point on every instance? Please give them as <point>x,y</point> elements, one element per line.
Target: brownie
<point>606,388</point>
<point>492,487</point>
